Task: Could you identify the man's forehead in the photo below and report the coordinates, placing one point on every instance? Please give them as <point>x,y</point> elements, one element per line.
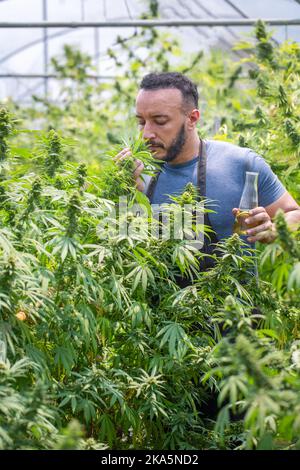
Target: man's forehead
<point>159,100</point>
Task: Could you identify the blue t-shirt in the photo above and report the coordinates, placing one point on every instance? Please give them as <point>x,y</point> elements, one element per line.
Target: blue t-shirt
<point>225,178</point>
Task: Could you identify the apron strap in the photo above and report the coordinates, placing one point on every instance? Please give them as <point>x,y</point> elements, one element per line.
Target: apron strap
<point>201,170</point>
<point>152,185</point>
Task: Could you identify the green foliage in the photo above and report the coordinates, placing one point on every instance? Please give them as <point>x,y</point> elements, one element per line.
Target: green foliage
<point>99,347</point>
<point>271,126</point>
<point>118,178</point>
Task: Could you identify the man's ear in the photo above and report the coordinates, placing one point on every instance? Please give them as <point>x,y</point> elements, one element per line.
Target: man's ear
<point>193,117</point>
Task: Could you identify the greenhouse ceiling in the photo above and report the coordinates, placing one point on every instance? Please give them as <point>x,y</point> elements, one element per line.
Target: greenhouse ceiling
<point>25,53</point>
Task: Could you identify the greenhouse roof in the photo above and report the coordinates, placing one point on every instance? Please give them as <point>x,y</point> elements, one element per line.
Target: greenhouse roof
<point>25,52</point>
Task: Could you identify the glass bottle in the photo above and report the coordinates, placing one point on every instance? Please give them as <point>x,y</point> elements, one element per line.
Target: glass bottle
<point>249,200</point>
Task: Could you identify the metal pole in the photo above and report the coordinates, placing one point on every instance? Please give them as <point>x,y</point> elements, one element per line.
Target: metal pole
<point>45,36</point>
<point>82,10</point>
<point>149,23</point>
<point>44,76</point>
<point>93,77</point>
<point>97,50</point>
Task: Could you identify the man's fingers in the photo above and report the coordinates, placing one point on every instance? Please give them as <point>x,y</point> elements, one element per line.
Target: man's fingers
<point>139,166</point>
<point>140,185</point>
<point>125,150</point>
<point>122,157</point>
<point>262,225</point>
<point>137,163</point>
<point>124,153</point>
<point>260,228</point>
<point>263,230</point>
<point>257,210</point>
<point>266,236</point>
<point>261,217</point>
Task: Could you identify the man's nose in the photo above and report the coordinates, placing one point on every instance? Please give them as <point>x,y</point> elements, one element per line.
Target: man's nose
<point>148,132</point>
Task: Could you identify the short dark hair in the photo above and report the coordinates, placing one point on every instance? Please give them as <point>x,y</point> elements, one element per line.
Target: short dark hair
<point>158,81</point>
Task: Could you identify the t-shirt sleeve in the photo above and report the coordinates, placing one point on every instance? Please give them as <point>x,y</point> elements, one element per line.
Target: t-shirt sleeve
<point>269,187</point>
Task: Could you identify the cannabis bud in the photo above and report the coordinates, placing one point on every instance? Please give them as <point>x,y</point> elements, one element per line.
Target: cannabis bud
<point>189,195</point>
<point>6,127</point>
<point>53,158</point>
<point>292,132</point>
<point>73,212</point>
<point>81,174</point>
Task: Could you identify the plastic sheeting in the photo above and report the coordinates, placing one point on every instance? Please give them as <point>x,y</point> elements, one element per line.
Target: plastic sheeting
<point>28,51</point>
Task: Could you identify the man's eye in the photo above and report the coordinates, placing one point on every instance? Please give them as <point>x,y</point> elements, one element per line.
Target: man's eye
<point>161,123</point>
<point>141,123</point>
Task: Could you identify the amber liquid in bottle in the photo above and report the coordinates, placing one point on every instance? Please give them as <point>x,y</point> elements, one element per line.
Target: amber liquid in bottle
<point>249,200</point>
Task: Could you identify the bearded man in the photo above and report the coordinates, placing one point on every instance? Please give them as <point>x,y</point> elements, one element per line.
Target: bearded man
<point>167,114</point>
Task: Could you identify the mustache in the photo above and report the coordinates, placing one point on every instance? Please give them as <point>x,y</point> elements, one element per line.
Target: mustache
<point>155,144</point>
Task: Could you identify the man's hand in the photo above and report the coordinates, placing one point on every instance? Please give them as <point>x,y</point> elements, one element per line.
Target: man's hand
<point>139,166</point>
<point>264,230</point>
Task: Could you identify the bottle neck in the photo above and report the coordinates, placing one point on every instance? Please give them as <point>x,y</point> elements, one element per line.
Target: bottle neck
<point>249,199</point>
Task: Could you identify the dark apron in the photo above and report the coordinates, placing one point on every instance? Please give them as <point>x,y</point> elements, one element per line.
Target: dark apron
<point>205,262</point>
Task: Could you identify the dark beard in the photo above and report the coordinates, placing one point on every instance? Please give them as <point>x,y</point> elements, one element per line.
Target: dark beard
<point>176,146</point>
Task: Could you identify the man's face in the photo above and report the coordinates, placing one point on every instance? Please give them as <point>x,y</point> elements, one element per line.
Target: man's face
<point>162,121</point>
